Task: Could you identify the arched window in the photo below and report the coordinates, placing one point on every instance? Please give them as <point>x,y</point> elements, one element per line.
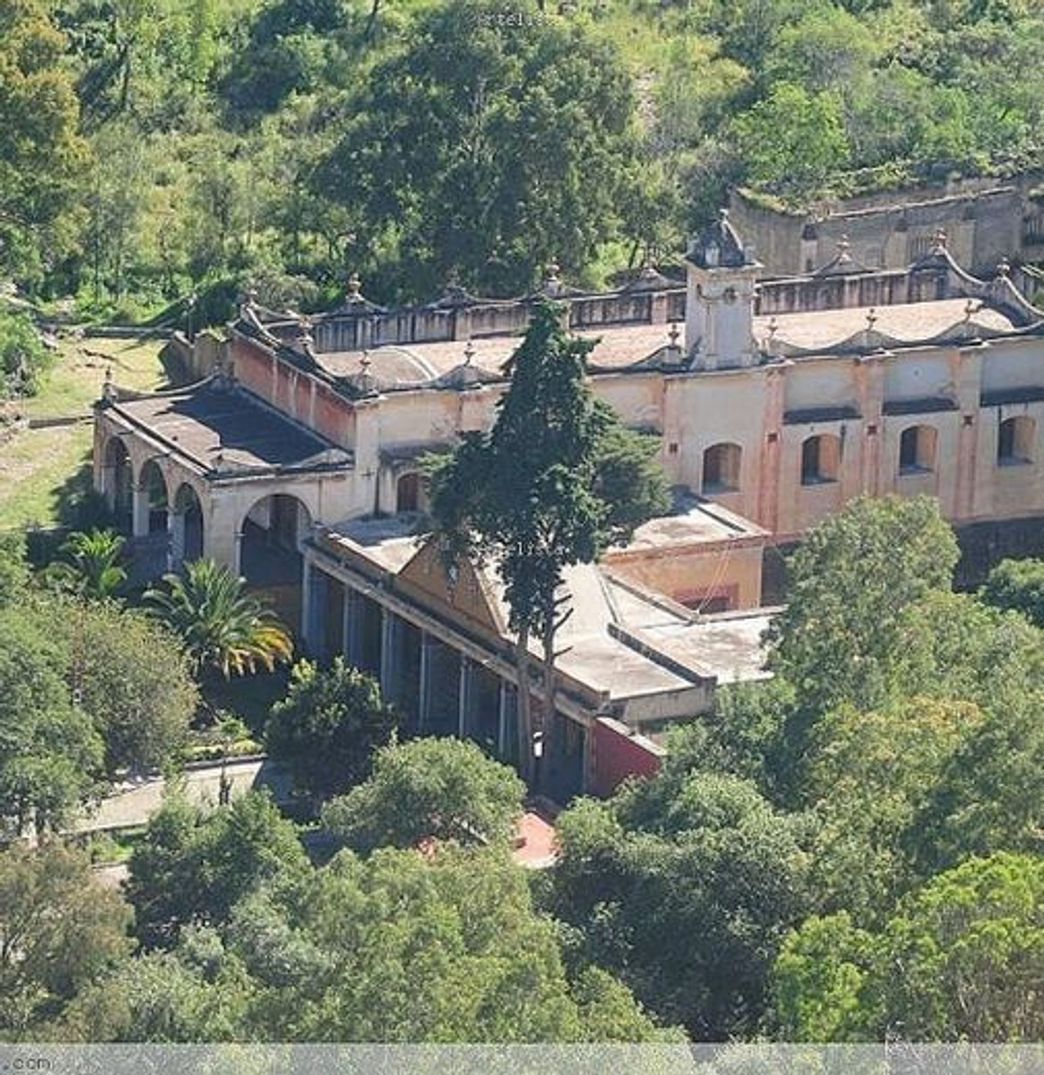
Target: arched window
<point>820,459</point>
<point>407,492</point>
<point>1015,441</point>
<point>917,450</point>
<point>721,468</point>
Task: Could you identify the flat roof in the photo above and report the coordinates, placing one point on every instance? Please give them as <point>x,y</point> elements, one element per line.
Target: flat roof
<point>229,430</point>
<point>694,521</point>
<point>620,346</point>
<point>728,645</point>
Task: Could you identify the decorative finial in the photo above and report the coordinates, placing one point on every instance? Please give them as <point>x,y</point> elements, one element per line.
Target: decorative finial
<point>673,335</point>
<point>250,296</point>
<point>108,386</point>
<point>553,271</point>
<point>354,287</point>
<point>843,246</point>
<point>305,339</point>
<point>871,319</point>
<point>723,215</point>
<point>940,241</point>
<point>1003,268</point>
<point>773,327</point>
<point>469,352</point>
<point>364,362</point>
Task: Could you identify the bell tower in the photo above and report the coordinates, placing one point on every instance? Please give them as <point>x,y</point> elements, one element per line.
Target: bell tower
<point>719,304</point>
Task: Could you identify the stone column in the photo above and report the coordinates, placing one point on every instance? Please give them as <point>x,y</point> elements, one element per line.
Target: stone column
<point>464,695</point>
<point>140,511</point>
<point>425,681</point>
<point>502,713</point>
<point>388,634</point>
<point>308,604</point>
<point>176,539</point>
<point>353,626</point>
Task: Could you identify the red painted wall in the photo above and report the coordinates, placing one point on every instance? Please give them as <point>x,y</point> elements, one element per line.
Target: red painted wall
<point>618,755</point>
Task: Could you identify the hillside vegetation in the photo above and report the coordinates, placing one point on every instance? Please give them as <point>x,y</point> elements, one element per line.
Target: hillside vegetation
<point>156,149</point>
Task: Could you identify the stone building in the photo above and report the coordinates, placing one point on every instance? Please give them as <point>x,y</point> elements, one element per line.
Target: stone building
<point>986,220</point>
<point>297,463</point>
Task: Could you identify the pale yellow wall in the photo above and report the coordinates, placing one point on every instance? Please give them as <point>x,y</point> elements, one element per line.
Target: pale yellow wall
<point>682,571</point>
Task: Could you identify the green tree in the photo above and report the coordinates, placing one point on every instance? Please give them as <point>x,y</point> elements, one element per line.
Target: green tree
<point>131,678</point>
<point>51,756</point>
<point>92,564</point>
<point>40,149</point>
<point>23,358</point>
<point>225,630</point>
<point>870,777</point>
<point>1018,585</point>
<point>818,981</point>
<point>483,151</point>
<point>429,789</point>
<point>793,140</point>
<point>959,960</point>
<point>400,948</point>
<point>686,891</point>
<point>60,931</point>
<point>194,865</point>
<point>962,957</point>
<point>328,726</point>
<point>14,568</point>
<point>990,797</point>
<point>533,505</point>
<point>841,637</point>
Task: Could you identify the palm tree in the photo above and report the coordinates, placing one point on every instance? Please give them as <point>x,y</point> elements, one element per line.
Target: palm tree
<point>225,629</point>
<point>91,567</point>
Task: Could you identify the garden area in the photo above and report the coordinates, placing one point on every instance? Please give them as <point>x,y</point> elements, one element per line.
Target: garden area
<point>45,439</point>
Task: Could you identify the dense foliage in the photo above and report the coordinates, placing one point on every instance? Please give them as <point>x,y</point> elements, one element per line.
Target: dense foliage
<point>327,727</point>
<point>154,150</point>
<point>430,790</point>
<point>877,806</point>
<point>89,692</point>
<point>393,948</point>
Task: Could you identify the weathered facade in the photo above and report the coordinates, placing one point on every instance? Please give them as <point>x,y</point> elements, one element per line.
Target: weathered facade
<point>986,220</point>
<point>775,401</point>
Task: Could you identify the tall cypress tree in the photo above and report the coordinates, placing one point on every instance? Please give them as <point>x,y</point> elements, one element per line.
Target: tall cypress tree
<point>553,483</point>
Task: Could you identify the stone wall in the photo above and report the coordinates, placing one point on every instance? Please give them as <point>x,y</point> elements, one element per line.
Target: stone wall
<point>985,220</point>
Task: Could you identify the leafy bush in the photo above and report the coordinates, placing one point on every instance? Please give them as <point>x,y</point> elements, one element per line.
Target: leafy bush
<point>23,357</point>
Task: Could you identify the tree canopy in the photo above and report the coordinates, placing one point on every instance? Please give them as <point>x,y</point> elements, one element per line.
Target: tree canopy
<point>393,948</point>
<point>194,865</point>
<point>441,790</point>
<point>60,932</point>
<point>328,726</point>
<point>959,960</point>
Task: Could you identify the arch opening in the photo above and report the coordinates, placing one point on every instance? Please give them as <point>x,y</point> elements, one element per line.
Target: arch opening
<point>1015,441</point>
<point>820,459</point>
<point>154,487</point>
<point>721,468</point>
<point>188,526</point>
<point>118,484</point>
<point>273,533</point>
<point>917,446</point>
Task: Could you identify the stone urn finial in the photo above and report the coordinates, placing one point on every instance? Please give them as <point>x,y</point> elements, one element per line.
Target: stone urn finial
<point>109,393</point>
